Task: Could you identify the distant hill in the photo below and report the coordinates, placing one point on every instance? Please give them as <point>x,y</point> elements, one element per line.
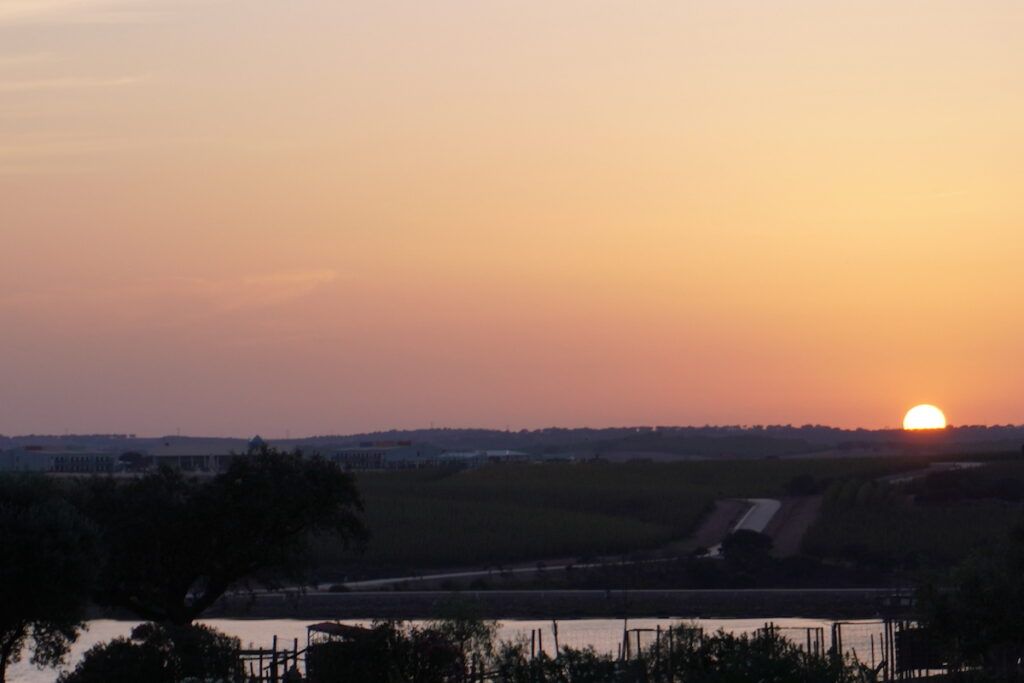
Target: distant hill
<point>707,441</point>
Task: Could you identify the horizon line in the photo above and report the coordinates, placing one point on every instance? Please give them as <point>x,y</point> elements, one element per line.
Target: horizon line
<point>650,428</point>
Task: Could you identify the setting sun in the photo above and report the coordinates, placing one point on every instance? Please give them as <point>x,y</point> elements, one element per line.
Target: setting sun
<point>924,417</point>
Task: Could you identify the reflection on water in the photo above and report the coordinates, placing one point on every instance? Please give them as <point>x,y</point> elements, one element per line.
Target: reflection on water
<point>605,635</point>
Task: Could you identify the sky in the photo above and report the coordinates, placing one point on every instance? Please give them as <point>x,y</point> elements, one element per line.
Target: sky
<point>319,216</point>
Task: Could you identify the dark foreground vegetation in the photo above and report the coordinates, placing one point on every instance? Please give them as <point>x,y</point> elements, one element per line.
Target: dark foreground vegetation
<point>163,547</point>
<point>465,651</point>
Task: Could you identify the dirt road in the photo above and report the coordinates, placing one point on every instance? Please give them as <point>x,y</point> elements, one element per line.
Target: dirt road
<point>792,521</point>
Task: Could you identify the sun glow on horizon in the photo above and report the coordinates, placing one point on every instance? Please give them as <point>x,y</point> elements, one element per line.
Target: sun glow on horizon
<point>924,416</point>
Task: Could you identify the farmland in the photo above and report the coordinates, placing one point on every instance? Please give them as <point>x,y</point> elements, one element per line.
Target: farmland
<point>436,518</point>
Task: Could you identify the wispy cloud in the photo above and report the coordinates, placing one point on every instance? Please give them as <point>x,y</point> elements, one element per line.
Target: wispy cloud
<point>14,11</point>
<point>78,11</point>
<point>47,154</point>
<point>270,289</point>
<point>47,145</point>
<point>7,61</point>
<point>68,83</point>
<point>271,309</point>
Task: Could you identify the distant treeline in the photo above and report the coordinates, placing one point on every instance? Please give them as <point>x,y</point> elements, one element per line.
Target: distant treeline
<point>725,440</point>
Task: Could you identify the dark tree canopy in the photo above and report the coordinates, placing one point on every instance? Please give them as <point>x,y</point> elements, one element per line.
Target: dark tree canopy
<point>47,567</point>
<point>176,544</point>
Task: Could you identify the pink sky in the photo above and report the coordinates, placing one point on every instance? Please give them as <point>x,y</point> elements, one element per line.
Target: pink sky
<point>317,216</point>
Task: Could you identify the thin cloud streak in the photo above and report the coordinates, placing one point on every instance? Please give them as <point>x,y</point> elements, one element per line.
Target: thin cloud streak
<point>69,83</point>
<point>20,12</point>
<point>263,290</point>
<point>57,155</point>
<point>215,295</point>
<point>26,58</point>
<point>33,11</point>
<point>15,11</point>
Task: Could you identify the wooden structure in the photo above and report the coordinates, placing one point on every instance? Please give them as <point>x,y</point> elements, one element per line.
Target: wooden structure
<point>275,664</point>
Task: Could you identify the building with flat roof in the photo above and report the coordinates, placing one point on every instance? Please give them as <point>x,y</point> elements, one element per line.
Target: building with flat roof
<point>482,457</point>
<point>385,455</point>
<point>77,462</point>
<point>22,460</point>
<point>45,460</point>
<point>196,455</point>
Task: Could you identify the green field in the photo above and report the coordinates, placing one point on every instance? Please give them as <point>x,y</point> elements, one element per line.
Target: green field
<point>498,514</point>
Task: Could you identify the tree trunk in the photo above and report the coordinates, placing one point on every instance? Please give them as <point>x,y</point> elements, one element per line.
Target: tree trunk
<point>4,657</point>
<point>213,592</point>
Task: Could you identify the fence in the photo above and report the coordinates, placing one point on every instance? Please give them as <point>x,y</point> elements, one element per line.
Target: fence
<point>274,665</point>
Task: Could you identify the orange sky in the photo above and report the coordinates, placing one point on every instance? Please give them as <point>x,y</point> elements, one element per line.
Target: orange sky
<point>321,216</point>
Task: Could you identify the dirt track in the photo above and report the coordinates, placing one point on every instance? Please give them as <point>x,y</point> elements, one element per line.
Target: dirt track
<point>717,525</point>
<point>791,522</point>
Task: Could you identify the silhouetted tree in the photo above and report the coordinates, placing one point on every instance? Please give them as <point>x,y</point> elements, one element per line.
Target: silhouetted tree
<point>747,550</point>
<point>175,545</point>
<point>47,567</point>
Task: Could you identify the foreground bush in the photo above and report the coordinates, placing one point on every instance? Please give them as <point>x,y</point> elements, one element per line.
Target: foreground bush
<point>161,654</point>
